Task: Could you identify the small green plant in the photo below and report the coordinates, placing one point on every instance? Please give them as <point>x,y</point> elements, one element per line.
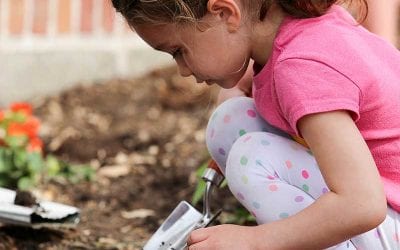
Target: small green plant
<point>22,164</point>
<point>240,217</point>
<point>201,185</point>
<point>74,173</point>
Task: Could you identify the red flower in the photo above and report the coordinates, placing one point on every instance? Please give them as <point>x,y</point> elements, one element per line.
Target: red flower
<point>29,128</point>
<point>16,129</point>
<point>1,115</point>
<point>22,107</point>
<point>35,145</point>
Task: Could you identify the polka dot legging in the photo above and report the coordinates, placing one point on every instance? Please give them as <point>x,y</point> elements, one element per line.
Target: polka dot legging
<point>273,176</point>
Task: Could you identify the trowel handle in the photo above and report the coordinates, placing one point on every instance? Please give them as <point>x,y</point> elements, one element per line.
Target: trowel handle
<point>212,174</point>
<point>212,164</point>
<point>213,178</point>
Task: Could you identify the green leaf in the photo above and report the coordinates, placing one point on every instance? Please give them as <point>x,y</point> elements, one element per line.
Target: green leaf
<point>201,185</point>
<point>35,162</point>
<point>3,166</point>
<point>53,165</point>
<point>7,160</point>
<point>201,169</point>
<point>16,174</point>
<point>240,217</point>
<point>224,183</point>
<point>16,141</point>
<point>80,173</point>
<point>4,181</point>
<point>25,183</point>
<point>20,159</point>
<point>19,117</point>
<point>199,192</point>
<point>88,173</point>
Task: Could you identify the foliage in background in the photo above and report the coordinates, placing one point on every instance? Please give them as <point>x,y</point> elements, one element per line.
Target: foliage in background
<point>201,185</point>
<point>240,216</point>
<point>22,164</point>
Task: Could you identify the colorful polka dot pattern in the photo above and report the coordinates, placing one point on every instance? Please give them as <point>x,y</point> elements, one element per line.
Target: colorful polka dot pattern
<point>299,198</point>
<point>212,133</point>
<point>245,179</point>
<point>265,142</point>
<point>252,113</point>
<point>272,187</point>
<point>240,196</point>
<point>283,215</point>
<point>259,163</point>
<point>277,170</point>
<point>227,118</point>
<point>243,161</point>
<point>256,205</point>
<point>247,139</point>
<point>305,174</point>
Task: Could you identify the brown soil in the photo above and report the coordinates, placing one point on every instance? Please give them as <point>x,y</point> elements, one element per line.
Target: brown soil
<point>144,137</point>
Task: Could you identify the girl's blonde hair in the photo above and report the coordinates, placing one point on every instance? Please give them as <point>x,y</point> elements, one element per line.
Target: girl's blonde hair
<point>181,11</point>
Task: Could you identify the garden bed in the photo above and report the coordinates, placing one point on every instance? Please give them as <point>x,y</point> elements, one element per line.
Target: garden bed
<point>144,137</point>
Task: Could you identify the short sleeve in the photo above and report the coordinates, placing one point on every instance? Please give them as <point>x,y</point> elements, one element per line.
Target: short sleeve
<point>305,86</point>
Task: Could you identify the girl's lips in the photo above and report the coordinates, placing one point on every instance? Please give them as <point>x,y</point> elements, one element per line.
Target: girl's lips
<point>210,82</point>
<point>198,80</point>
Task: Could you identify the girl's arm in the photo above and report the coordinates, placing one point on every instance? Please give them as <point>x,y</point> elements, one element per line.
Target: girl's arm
<point>356,202</point>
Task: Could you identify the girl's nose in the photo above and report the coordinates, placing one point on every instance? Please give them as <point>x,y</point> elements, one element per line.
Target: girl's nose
<point>184,70</point>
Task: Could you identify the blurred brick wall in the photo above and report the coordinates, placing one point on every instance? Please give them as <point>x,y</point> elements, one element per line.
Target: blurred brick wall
<point>41,18</point>
<point>47,46</point>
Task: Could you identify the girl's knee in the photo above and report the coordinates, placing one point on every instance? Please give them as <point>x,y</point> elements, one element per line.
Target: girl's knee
<point>248,159</point>
<point>232,119</point>
<point>260,157</point>
<point>228,115</point>
<point>231,105</point>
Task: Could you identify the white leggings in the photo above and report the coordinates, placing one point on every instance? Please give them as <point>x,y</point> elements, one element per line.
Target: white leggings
<point>273,176</point>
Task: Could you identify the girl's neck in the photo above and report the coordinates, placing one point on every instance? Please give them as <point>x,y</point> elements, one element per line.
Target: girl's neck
<point>263,34</point>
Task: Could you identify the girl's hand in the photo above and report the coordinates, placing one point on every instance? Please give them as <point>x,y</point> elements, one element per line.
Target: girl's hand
<point>222,237</point>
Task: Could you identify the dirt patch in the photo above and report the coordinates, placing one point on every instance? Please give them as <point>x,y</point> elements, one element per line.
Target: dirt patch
<point>144,137</point>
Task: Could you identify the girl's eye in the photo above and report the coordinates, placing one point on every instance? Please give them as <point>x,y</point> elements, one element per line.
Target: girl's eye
<point>176,53</point>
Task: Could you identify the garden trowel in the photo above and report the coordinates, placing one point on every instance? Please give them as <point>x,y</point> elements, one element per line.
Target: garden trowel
<point>175,230</point>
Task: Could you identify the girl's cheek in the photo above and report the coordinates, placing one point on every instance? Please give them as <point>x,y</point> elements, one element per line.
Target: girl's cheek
<point>188,62</point>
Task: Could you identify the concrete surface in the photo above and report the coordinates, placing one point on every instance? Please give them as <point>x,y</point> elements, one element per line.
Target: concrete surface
<point>30,71</point>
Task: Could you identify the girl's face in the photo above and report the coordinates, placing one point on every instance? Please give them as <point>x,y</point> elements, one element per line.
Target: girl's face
<point>219,54</point>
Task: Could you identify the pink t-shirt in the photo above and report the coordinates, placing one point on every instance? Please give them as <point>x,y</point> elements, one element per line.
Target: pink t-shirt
<point>330,63</point>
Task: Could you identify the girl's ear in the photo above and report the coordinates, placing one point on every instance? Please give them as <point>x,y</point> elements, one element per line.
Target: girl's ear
<point>226,10</point>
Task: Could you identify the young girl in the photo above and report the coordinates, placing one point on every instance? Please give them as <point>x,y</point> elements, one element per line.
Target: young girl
<point>319,78</point>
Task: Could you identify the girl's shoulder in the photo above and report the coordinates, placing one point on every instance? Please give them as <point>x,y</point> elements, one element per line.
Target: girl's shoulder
<point>331,27</point>
<point>334,39</point>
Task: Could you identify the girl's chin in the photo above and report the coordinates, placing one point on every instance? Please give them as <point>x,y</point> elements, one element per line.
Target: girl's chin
<point>210,82</point>
<point>221,83</point>
<point>227,84</point>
